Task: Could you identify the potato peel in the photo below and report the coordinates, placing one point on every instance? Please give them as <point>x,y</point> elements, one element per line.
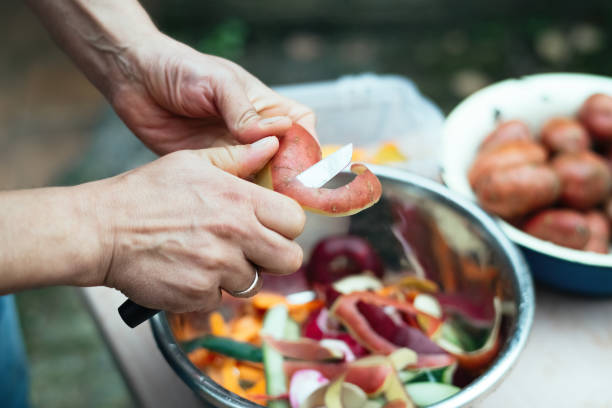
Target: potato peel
<point>298,150</point>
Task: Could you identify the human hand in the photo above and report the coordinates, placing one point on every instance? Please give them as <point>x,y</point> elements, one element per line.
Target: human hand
<point>178,98</point>
<point>177,230</point>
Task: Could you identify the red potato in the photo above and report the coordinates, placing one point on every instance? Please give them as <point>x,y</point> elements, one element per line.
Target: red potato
<point>298,150</point>
<point>510,154</point>
<point>505,132</point>
<point>516,191</point>
<point>563,227</point>
<point>596,115</point>
<point>585,177</point>
<point>599,228</point>
<point>565,135</point>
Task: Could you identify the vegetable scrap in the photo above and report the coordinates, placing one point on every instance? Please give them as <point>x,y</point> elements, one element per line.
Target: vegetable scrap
<point>297,151</point>
<point>359,336</point>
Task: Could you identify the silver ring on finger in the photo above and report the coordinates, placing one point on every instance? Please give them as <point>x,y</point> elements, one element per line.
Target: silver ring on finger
<point>251,290</point>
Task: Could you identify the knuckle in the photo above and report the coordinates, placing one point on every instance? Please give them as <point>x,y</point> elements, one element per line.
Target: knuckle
<point>246,117</point>
<point>222,77</point>
<point>296,217</point>
<point>227,158</point>
<point>293,258</point>
<point>300,220</point>
<point>218,261</point>
<point>231,231</point>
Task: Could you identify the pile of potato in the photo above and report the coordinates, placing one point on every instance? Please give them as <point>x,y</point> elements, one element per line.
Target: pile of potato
<point>556,186</point>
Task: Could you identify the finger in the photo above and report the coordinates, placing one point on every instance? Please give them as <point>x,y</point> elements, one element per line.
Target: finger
<point>240,276</point>
<point>240,117</point>
<point>302,115</point>
<point>271,104</point>
<point>241,160</point>
<point>279,213</point>
<point>273,252</point>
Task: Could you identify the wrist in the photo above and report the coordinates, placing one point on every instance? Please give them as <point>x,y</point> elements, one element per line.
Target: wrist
<point>137,59</point>
<point>101,37</point>
<point>123,60</point>
<point>97,232</point>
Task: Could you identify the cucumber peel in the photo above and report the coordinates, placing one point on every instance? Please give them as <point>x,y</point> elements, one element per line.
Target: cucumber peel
<point>226,346</point>
<point>274,325</point>
<point>292,330</point>
<point>428,393</point>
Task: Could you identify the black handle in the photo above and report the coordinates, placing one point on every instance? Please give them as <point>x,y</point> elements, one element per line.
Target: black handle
<point>133,314</point>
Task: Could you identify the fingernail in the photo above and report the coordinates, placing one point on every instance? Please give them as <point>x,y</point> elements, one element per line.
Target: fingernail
<point>263,144</point>
<point>272,120</point>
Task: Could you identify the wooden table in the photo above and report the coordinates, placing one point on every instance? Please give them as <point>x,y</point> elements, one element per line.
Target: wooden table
<point>566,362</point>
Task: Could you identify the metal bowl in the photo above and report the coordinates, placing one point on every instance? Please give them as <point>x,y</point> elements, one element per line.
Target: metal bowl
<point>469,231</point>
<point>532,99</point>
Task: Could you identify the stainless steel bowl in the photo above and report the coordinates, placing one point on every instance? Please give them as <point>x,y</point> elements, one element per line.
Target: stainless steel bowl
<point>468,230</point>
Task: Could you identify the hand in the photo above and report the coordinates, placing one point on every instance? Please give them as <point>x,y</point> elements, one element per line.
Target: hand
<point>182,99</point>
<point>182,227</point>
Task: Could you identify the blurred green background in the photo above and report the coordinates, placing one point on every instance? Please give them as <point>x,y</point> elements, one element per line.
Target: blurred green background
<point>50,115</point>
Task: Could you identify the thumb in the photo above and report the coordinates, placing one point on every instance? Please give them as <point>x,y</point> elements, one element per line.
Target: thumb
<point>241,118</point>
<point>241,160</point>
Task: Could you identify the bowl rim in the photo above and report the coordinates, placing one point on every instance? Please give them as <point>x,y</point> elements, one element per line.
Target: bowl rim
<point>522,285</point>
<point>516,235</point>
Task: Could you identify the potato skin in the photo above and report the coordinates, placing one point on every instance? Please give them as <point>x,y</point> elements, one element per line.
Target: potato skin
<point>585,177</point>
<point>599,228</point>
<point>565,135</point>
<point>516,191</point>
<point>596,115</point>
<point>568,228</point>
<point>506,132</point>
<point>508,155</point>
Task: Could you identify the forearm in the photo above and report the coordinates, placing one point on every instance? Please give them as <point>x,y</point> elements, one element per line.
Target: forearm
<point>49,236</point>
<point>101,36</point>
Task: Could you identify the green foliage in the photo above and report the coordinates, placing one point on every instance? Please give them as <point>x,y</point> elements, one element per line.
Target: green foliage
<point>227,39</point>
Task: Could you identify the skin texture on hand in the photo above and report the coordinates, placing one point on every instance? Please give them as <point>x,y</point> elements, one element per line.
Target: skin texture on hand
<point>171,96</point>
<point>173,232</point>
<point>187,224</point>
<point>169,234</point>
<point>188,100</point>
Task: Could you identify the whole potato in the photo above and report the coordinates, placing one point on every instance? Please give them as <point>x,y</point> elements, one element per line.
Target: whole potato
<point>510,154</point>
<point>506,132</point>
<point>585,177</point>
<point>596,115</point>
<point>568,228</point>
<point>516,191</point>
<point>565,135</point>
<point>599,228</point>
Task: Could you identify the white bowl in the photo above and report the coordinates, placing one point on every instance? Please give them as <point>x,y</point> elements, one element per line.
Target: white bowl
<point>532,99</point>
